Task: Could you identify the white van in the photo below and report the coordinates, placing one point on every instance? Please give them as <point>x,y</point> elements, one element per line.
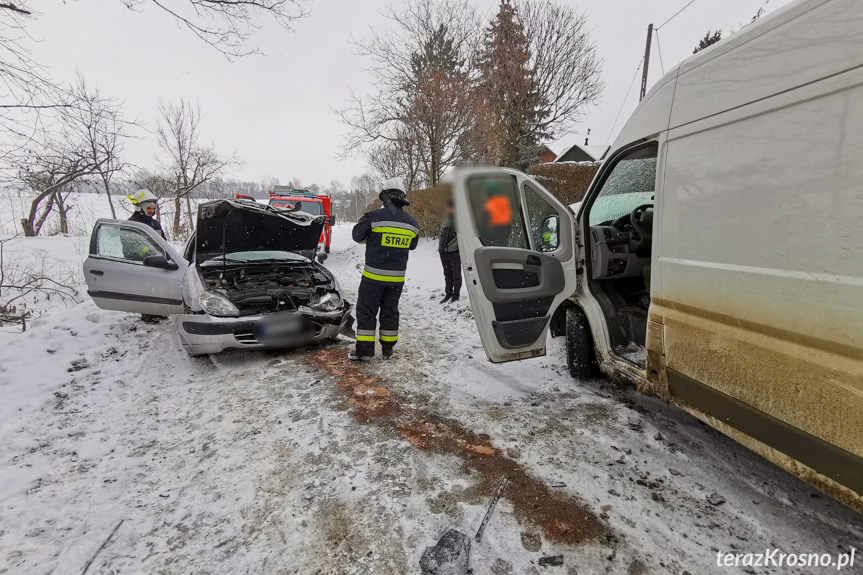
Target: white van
<point>717,258</point>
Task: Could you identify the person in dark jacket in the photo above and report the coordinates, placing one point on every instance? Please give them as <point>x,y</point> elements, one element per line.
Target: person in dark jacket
<point>389,234</point>
<point>449,256</point>
<point>145,208</point>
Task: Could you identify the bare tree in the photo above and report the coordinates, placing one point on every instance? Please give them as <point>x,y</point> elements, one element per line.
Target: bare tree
<point>105,130</point>
<point>228,25</point>
<point>32,277</point>
<point>27,92</point>
<point>188,163</point>
<point>364,190</point>
<point>564,62</point>
<point>399,156</point>
<point>421,103</point>
<point>75,145</point>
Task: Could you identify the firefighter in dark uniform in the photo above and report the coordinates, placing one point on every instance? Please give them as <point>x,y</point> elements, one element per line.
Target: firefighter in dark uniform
<point>389,234</point>
<point>145,208</point>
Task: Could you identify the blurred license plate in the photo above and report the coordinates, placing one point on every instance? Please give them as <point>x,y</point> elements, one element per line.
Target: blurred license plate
<point>277,326</point>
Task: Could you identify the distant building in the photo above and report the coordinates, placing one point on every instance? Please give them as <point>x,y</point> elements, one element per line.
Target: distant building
<point>581,153</point>
<point>546,155</point>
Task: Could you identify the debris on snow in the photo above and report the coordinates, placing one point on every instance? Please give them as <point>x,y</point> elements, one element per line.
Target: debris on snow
<point>551,561</point>
<point>715,499</point>
<point>491,505</point>
<point>79,364</point>
<point>449,556</point>
<point>634,423</point>
<point>531,541</point>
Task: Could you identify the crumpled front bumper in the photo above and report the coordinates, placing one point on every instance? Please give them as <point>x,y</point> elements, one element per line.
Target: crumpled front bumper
<point>204,334</point>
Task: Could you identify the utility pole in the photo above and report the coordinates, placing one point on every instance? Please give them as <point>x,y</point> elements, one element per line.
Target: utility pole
<point>646,62</point>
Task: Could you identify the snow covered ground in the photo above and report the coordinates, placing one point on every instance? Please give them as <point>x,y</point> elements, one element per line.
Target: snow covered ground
<point>300,462</point>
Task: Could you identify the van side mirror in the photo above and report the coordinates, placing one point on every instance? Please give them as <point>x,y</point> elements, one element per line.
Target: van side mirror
<point>160,262</point>
<point>332,220</point>
<point>550,239</point>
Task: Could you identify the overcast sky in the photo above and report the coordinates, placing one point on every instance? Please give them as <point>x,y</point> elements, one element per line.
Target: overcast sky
<point>276,110</point>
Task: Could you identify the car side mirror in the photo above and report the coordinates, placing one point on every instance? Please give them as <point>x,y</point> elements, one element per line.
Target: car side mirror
<point>550,237</point>
<point>322,256</point>
<point>160,262</point>
<point>332,220</point>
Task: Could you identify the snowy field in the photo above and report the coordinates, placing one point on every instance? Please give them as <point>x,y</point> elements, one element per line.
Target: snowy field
<point>119,451</point>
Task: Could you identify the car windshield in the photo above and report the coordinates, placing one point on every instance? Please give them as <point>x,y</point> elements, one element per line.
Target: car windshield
<point>314,208</point>
<point>257,257</point>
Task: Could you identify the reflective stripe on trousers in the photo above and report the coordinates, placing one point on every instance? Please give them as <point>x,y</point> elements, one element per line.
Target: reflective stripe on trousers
<point>365,335</point>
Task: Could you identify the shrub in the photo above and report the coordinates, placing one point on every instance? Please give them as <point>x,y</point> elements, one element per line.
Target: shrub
<point>567,181</point>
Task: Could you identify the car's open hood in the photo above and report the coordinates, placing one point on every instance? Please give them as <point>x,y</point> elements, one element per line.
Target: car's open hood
<point>227,226</point>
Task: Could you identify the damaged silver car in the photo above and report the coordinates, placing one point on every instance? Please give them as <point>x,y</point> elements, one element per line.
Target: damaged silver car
<point>247,278</point>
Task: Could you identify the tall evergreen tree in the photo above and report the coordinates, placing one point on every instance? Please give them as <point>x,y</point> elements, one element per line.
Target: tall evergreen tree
<point>439,54</point>
<point>507,84</point>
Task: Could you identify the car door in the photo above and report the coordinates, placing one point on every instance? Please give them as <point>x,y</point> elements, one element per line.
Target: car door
<point>132,268</point>
<point>519,251</point>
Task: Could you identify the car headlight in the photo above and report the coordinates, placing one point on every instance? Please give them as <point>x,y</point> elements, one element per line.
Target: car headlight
<point>217,305</point>
<point>326,301</point>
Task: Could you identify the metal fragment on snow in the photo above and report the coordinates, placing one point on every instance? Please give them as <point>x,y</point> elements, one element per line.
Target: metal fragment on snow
<point>491,505</point>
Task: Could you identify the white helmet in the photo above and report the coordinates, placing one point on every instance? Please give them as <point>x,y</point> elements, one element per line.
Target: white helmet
<point>141,198</point>
<point>394,189</point>
<point>395,184</point>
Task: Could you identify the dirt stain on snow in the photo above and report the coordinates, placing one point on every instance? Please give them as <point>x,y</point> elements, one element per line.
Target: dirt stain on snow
<point>562,518</point>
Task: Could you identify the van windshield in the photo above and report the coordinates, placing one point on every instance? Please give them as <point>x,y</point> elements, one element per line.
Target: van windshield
<point>631,183</point>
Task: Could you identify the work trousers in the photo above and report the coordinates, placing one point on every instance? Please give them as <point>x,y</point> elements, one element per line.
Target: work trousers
<point>451,272</point>
<point>374,297</point>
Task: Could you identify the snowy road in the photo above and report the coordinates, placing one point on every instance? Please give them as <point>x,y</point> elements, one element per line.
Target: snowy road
<point>299,462</point>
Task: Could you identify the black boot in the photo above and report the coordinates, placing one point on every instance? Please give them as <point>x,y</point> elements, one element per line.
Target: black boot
<point>445,299</point>
<point>387,352</point>
<point>454,298</point>
<point>353,356</point>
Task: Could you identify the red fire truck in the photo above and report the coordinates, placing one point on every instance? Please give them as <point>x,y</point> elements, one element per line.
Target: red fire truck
<point>306,201</point>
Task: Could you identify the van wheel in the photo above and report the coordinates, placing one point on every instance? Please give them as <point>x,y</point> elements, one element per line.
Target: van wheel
<point>579,345</point>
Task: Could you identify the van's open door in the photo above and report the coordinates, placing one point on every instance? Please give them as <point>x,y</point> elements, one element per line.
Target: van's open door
<point>519,251</point>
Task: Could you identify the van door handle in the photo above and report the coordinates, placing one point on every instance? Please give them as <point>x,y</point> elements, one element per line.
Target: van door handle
<point>97,272</point>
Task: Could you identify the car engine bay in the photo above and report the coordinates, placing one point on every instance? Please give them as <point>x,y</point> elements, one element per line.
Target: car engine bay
<point>264,288</point>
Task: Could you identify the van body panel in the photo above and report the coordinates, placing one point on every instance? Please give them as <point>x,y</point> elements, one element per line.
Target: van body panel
<point>756,281</point>
<point>760,258</point>
<point>800,44</point>
<point>651,116</point>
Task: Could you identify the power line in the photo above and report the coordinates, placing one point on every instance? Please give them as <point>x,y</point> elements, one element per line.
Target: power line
<point>659,49</point>
<point>634,76</point>
<point>676,14</point>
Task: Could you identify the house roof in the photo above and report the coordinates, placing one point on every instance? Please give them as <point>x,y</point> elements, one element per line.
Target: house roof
<point>595,152</point>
